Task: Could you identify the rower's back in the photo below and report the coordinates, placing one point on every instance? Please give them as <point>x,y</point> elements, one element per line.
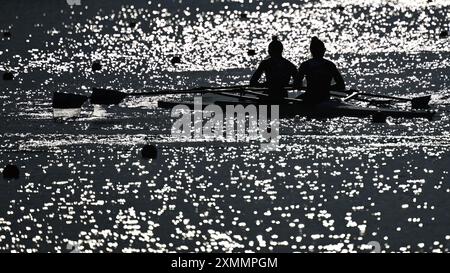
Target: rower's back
<point>278,72</point>
<point>319,73</point>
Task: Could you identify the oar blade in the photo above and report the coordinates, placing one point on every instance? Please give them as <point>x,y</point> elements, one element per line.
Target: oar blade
<point>68,101</point>
<point>106,96</point>
<point>420,102</point>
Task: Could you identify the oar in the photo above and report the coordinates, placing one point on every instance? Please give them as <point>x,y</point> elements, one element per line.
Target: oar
<point>416,103</point>
<point>344,95</point>
<point>109,96</point>
<point>351,96</point>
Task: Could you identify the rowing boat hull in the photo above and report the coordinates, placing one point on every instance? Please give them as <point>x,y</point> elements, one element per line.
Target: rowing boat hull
<point>323,110</point>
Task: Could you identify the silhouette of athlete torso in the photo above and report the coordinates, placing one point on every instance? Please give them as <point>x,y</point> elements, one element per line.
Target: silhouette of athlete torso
<point>319,74</point>
<point>279,72</point>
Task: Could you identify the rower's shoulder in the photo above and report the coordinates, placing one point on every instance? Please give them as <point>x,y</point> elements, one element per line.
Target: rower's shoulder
<point>329,62</point>
<point>306,63</point>
<point>317,60</point>
<point>277,61</point>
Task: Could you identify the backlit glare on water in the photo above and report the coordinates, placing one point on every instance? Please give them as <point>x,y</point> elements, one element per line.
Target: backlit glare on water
<point>332,185</point>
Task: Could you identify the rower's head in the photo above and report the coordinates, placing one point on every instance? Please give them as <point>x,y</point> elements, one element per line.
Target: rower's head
<point>275,47</point>
<point>317,47</point>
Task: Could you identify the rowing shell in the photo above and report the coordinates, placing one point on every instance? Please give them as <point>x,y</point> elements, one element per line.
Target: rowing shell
<point>293,108</point>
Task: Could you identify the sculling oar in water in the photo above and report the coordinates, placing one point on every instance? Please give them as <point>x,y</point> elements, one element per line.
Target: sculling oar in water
<point>416,102</point>
<point>353,94</point>
<point>103,96</point>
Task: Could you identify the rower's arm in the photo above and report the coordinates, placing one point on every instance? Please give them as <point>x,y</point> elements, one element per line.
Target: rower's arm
<point>254,81</point>
<point>339,81</point>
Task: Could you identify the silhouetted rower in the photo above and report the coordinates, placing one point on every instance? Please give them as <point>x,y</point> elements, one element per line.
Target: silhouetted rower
<point>319,74</point>
<point>278,71</point>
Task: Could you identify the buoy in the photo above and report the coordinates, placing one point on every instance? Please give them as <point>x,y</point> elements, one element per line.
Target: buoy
<point>443,34</point>
<point>251,52</point>
<point>7,34</point>
<point>8,76</point>
<point>96,66</point>
<point>10,172</point>
<point>176,60</point>
<point>379,118</point>
<point>149,151</point>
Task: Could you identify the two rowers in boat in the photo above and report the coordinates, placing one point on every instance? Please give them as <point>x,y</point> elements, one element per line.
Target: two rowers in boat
<point>318,71</point>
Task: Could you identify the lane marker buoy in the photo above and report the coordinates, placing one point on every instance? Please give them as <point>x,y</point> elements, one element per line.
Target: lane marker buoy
<point>10,172</point>
<point>96,66</point>
<point>149,151</point>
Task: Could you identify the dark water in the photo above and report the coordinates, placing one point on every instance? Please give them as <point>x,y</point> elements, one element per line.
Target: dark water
<point>332,185</point>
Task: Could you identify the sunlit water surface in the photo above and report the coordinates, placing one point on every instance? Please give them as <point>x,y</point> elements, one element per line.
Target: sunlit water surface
<point>332,185</point>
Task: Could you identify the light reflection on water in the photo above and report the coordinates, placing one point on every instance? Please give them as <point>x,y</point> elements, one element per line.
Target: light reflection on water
<point>334,185</point>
